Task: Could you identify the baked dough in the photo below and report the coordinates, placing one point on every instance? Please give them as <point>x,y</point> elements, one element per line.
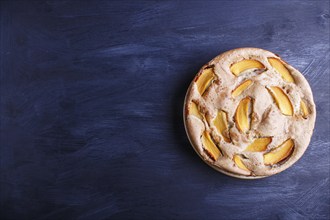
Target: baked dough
<point>274,106</point>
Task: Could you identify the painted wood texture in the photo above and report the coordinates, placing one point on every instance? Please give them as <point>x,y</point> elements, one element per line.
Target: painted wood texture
<point>91,109</point>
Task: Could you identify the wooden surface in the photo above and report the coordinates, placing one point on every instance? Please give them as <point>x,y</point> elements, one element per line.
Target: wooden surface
<point>91,109</point>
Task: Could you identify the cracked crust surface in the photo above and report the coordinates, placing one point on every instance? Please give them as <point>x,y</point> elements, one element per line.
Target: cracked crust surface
<point>265,116</point>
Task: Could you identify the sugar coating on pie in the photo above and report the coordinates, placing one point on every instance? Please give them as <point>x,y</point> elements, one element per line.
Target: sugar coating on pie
<point>249,114</point>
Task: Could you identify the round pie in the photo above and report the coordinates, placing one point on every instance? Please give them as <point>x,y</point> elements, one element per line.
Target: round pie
<point>249,114</point>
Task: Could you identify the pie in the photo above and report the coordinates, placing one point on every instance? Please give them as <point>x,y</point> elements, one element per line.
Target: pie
<point>249,114</point>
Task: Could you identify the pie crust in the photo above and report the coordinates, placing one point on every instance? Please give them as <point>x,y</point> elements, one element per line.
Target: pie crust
<point>249,114</point>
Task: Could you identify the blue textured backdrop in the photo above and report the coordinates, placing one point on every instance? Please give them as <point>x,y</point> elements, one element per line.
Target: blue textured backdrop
<point>91,109</point>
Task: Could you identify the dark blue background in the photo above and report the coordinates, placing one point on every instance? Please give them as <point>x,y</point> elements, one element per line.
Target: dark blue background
<point>91,109</point>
